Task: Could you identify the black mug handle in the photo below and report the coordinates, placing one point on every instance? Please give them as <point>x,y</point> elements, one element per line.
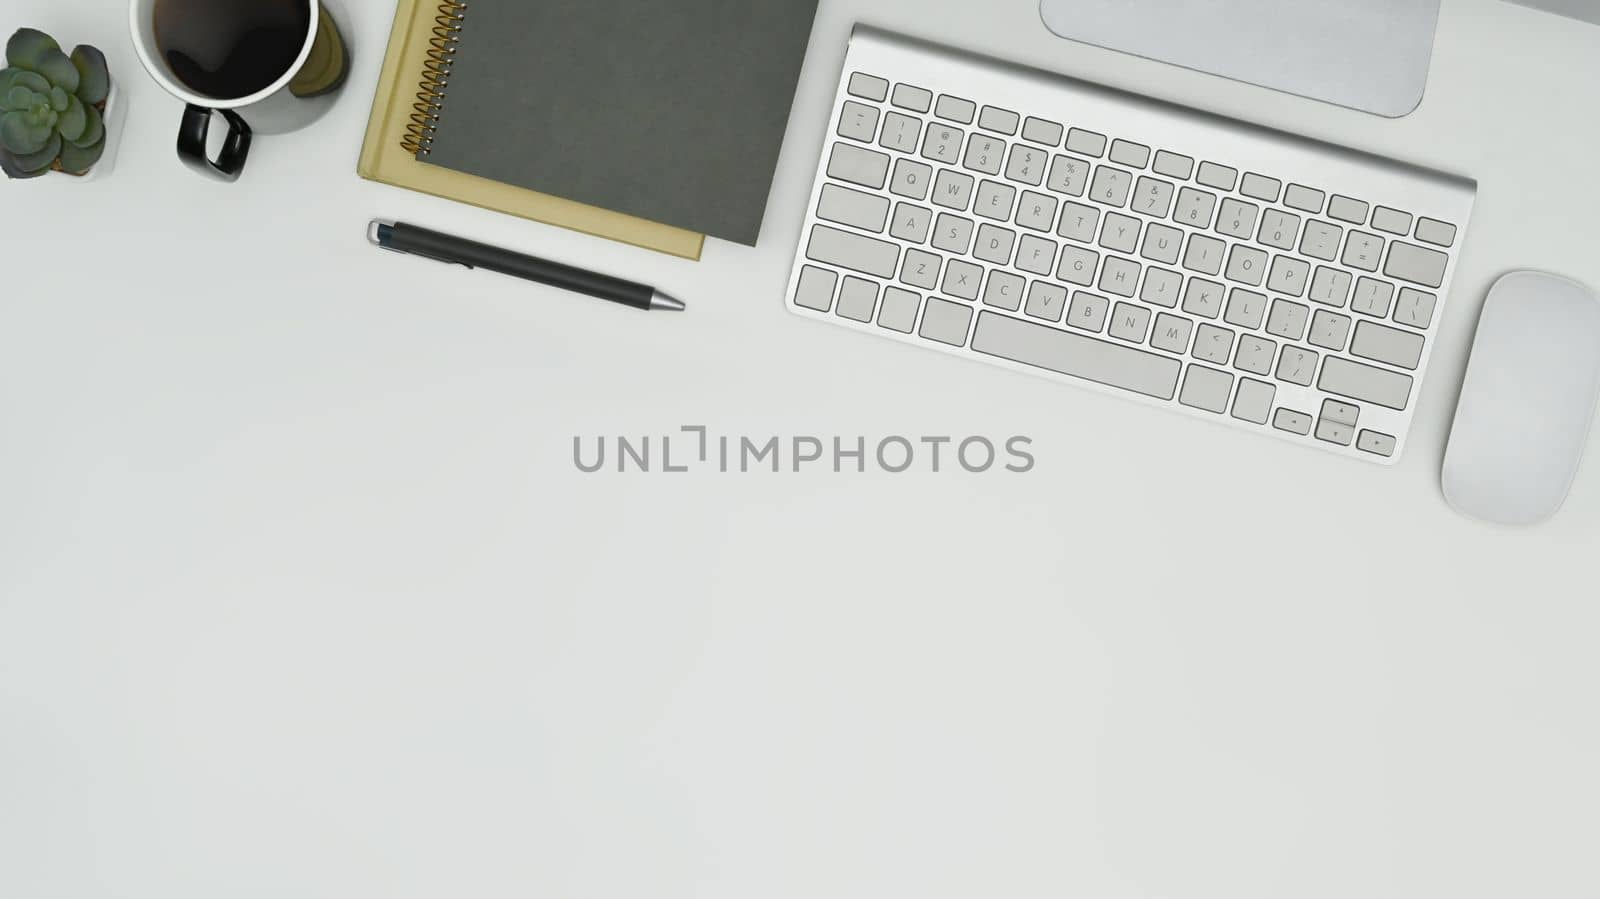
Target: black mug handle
<point>192,143</point>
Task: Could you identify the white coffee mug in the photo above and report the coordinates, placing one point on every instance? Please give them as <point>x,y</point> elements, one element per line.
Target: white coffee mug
<point>294,100</point>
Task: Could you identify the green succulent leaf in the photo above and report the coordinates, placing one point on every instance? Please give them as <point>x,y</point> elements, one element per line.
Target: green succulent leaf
<point>58,99</point>
<point>20,135</point>
<point>94,79</point>
<point>33,162</point>
<point>73,121</point>
<point>33,81</point>
<point>13,169</point>
<point>17,99</point>
<point>76,160</point>
<point>94,129</point>
<point>27,48</point>
<point>57,67</point>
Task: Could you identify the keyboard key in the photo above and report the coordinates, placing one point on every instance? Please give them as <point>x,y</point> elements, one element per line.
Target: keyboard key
<point>1438,233</point>
<point>1078,222</point>
<point>1419,265</point>
<point>1343,413</point>
<point>1077,265</point>
<point>1288,320</point>
<point>899,310</point>
<point>1260,187</point>
<point>1246,308</point>
<point>953,190</point>
<point>1069,176</point>
<point>1372,297</point>
<point>1037,211</point>
<point>1346,209</point>
<point>1004,291</point>
<point>868,212</point>
<point>921,269</point>
<point>1119,233</point>
<point>994,244</point>
<point>1086,142</point>
<point>1036,254</point>
<point>1255,355</point>
<point>1003,121</point>
<point>1174,165</point>
<point>1027,164</point>
<point>868,87</point>
<point>1213,344</point>
<point>815,290</point>
<point>1297,365</point>
<point>858,299</point>
<point>1254,401</point>
<point>913,98</point>
<point>911,223</point>
<point>900,132</point>
<point>995,201</point>
<point>1111,185</point>
<point>1152,197</point>
<point>858,121</point>
<point>1391,220</point>
<point>955,109</point>
<point>1247,265</point>
<point>1237,219</point>
<point>1161,243</point>
<point>1388,345</point>
<point>867,255</point>
<point>1292,421</point>
<point>1303,198</point>
<point>1204,254</point>
<point>1042,131</point>
<point>1161,287</point>
<point>1330,286</point>
<point>1278,229</point>
<point>1076,355</point>
<point>1128,153</point>
<point>1376,443</point>
<point>911,179</point>
<point>1194,208</point>
<point>1206,388</point>
<point>1363,251</point>
<point>1129,321</point>
<point>1334,432</point>
<point>1415,308</point>
<point>1288,276</point>
<point>856,165</point>
<point>1046,301</point>
<point>1202,298</point>
<point>1172,333</point>
<point>946,322</point>
<point>1088,311</point>
<point>985,154</point>
<point>1329,330</point>
<point>1119,276</point>
<point>952,233</point>
<point>942,143</point>
<point>1220,177</point>
<point>961,279</point>
<point>1364,383</point>
<point>1321,240</point>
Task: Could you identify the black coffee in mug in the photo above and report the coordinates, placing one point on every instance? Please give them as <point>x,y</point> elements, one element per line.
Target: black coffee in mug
<point>230,48</point>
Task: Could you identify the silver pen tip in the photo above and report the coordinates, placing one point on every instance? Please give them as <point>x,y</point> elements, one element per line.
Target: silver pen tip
<point>659,300</point>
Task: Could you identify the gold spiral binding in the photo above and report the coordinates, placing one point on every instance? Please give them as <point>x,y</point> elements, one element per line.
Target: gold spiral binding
<point>424,120</point>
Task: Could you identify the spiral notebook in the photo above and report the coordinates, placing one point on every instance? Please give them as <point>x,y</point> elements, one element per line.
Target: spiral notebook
<point>670,112</point>
<point>384,157</point>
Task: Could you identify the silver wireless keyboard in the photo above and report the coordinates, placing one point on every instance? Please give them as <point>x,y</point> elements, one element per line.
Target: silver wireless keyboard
<point>1186,260</point>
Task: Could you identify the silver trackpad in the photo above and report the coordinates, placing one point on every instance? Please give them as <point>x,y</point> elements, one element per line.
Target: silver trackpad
<point>1370,55</point>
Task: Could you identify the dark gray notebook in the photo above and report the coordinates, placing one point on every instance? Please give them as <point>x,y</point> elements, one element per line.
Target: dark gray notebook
<point>670,111</point>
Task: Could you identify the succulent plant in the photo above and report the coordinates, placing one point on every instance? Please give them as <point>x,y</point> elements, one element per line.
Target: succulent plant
<point>50,106</point>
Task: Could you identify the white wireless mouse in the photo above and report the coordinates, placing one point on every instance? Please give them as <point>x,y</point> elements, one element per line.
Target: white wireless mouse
<point>1528,400</point>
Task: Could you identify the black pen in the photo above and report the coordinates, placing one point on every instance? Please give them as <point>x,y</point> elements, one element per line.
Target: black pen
<point>414,241</point>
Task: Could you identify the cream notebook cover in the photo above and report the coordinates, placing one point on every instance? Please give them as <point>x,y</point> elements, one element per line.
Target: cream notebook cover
<point>384,159</point>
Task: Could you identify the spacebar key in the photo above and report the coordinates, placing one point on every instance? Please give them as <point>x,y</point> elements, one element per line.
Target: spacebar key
<point>1074,354</point>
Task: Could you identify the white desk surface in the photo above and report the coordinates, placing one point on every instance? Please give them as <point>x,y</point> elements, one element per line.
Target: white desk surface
<point>302,595</point>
